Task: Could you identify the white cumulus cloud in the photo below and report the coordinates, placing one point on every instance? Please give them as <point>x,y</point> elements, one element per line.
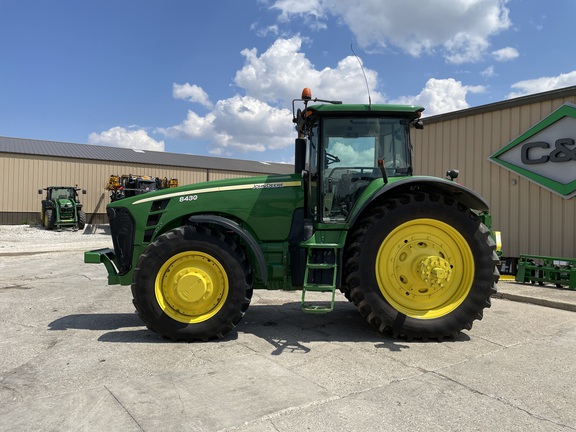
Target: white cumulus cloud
<point>237,125</point>
<point>121,137</point>
<point>441,96</point>
<point>543,84</point>
<point>459,29</point>
<point>191,93</point>
<point>505,54</point>
<point>282,71</point>
<point>310,8</point>
<point>489,72</point>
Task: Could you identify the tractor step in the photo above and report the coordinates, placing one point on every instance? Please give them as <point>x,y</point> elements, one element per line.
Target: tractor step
<point>320,266</point>
<point>314,308</point>
<point>329,271</point>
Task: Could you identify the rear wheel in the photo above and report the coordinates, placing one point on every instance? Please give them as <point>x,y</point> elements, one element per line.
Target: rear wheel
<point>192,283</point>
<point>421,266</point>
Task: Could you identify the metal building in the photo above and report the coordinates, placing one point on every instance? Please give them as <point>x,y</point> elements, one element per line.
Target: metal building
<point>27,165</point>
<point>520,155</point>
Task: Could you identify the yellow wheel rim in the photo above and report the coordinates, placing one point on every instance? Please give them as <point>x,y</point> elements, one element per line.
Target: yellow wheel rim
<point>425,268</point>
<point>191,287</point>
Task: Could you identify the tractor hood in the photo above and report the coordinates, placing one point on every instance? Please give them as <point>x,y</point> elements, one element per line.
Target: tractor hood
<point>64,203</point>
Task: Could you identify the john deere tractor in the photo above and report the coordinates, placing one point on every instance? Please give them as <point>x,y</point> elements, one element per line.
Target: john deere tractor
<point>411,252</point>
<point>62,208</point>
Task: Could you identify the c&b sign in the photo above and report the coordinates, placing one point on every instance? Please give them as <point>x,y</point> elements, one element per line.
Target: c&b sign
<point>546,153</point>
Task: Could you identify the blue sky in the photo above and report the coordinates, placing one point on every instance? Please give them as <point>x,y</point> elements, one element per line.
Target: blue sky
<point>217,78</point>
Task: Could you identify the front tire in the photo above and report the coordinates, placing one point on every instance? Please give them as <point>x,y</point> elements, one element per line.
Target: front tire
<point>192,283</point>
<point>81,219</point>
<point>421,266</point>
<point>49,219</point>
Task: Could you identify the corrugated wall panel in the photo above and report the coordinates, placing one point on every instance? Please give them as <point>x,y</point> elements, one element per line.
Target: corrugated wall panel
<point>468,144</point>
<point>221,175</point>
<point>437,160</point>
<point>568,224</point>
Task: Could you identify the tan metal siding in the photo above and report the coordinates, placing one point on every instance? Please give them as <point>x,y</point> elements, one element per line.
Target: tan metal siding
<point>221,175</point>
<point>23,175</point>
<point>532,219</point>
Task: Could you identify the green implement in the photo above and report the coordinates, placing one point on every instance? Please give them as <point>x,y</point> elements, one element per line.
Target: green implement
<point>547,270</point>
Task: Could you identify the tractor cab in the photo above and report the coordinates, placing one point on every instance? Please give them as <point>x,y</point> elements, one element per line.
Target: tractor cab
<point>343,149</point>
<point>62,193</point>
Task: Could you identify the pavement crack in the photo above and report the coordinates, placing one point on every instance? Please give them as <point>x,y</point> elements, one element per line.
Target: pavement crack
<point>503,401</point>
<point>124,408</point>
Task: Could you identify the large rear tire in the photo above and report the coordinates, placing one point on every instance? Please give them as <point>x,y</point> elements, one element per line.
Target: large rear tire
<point>192,283</point>
<point>420,266</point>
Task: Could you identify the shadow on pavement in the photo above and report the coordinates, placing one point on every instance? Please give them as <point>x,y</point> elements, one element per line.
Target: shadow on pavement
<point>285,327</point>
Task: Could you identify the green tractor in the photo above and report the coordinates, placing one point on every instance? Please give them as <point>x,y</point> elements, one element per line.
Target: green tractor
<point>61,208</point>
<point>411,252</point>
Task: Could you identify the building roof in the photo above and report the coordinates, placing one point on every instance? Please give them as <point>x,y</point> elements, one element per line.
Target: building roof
<point>509,103</point>
<point>126,155</point>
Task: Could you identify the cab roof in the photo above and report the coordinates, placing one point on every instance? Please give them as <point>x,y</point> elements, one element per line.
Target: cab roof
<point>355,109</point>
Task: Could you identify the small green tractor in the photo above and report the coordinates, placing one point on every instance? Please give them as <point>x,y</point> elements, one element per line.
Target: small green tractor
<point>413,253</point>
<point>61,208</point>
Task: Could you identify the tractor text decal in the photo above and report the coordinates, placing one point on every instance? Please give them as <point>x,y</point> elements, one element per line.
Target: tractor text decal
<point>192,195</point>
<point>188,198</point>
<point>268,185</point>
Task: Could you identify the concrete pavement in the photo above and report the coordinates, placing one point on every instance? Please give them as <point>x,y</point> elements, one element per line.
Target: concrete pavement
<point>542,295</point>
<point>74,356</point>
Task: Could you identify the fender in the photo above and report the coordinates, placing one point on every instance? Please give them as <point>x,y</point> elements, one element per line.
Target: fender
<point>459,193</point>
<point>244,234</point>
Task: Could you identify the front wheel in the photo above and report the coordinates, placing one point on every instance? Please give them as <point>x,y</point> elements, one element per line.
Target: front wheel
<point>49,221</point>
<point>421,266</point>
<point>81,219</point>
<point>192,283</point>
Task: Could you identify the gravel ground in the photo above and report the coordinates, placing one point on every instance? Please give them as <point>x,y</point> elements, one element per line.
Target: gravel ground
<point>20,239</point>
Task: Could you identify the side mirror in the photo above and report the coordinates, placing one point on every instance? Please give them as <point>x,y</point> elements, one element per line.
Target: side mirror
<point>83,191</point>
<point>299,155</point>
<point>39,191</point>
<point>452,174</point>
<point>418,124</point>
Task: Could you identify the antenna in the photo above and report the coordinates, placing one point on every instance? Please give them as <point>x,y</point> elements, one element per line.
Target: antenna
<point>364,73</point>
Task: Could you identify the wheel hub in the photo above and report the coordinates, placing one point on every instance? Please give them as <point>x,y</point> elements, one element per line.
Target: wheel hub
<point>192,286</point>
<point>435,271</point>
